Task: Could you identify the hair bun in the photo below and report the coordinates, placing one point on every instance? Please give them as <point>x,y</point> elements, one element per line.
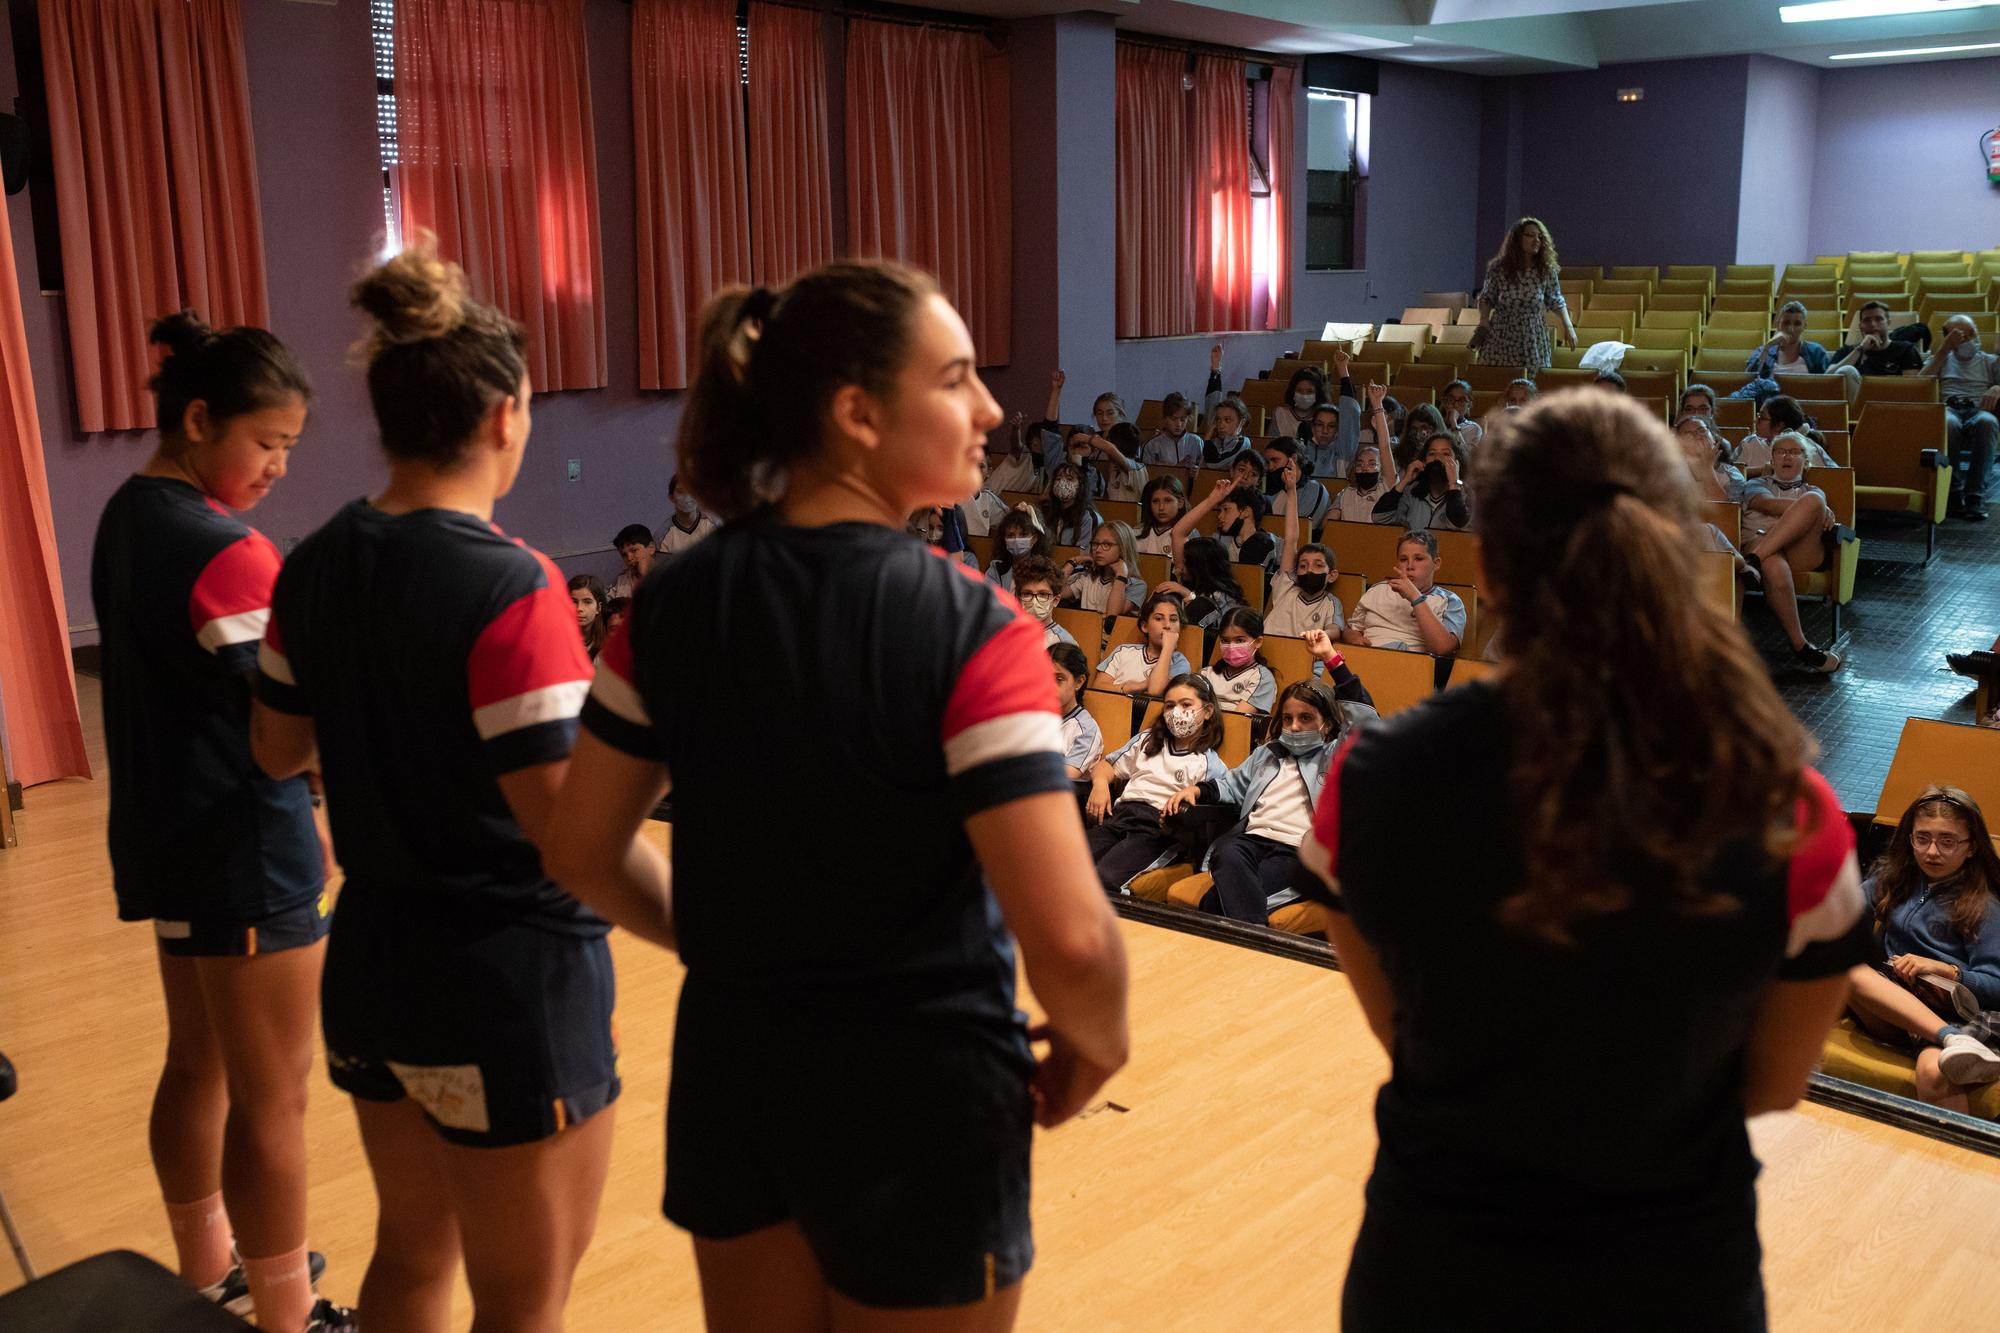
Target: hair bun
<point>180,333</point>
<point>413,296</point>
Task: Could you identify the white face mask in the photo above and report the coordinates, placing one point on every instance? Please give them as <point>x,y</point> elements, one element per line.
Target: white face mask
<point>1019,546</point>
<point>1040,605</point>
<point>1184,720</point>
<point>1303,401</point>
<point>687,504</point>
<point>1966,350</point>
<point>1064,489</point>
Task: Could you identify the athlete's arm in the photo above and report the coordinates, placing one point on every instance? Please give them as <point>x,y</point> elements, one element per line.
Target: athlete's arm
<point>283,744</point>
<point>1355,955</point>
<point>1787,1039</point>
<point>1034,855</point>
<point>591,844</point>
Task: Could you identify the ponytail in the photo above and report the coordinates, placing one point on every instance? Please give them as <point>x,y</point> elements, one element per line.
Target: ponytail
<point>771,361</point>
<point>232,372</point>
<point>1647,737</point>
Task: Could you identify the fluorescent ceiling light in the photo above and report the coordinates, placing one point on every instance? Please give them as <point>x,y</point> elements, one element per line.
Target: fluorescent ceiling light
<point>1915,51</point>
<point>1822,10</point>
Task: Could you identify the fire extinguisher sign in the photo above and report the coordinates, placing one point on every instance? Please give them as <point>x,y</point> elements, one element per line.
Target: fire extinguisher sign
<point>1992,140</point>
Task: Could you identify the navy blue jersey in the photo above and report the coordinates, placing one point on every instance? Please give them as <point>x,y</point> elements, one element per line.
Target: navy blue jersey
<point>831,704</point>
<point>434,654</point>
<point>198,833</point>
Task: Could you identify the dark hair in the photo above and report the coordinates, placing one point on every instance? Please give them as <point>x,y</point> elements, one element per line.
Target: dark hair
<point>1175,404</point>
<point>1423,537</point>
<point>1457,384</point>
<point>1703,390</point>
<point>594,632</point>
<point>1058,515</point>
<point>1513,257</point>
<point>1205,568</point>
<point>1243,497</point>
<point>1315,548</point>
<point>772,361</point>
<point>1245,619</point>
<point>617,606</point>
<point>1032,568</point>
<point>1866,306</point>
<point>1018,519</point>
<point>1071,659</point>
<point>1312,374</point>
<point>673,483</point>
<point>1236,405</point>
<point>438,360</point>
<point>1124,437</point>
<point>633,534</point>
<point>1896,874</point>
<point>1532,390</point>
<point>1324,406</point>
<point>1154,487</point>
<point>1157,736</point>
<point>234,372</point>
<point>1588,520</point>
<point>1283,444</point>
<point>1252,457</point>
<point>1156,599</point>
<point>1784,411</point>
<point>1313,694</point>
<point>1612,378</point>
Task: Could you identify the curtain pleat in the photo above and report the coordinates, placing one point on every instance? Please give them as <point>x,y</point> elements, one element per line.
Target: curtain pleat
<point>1278,119</point>
<point>1222,243</point>
<point>791,178</point>
<point>1155,274</point>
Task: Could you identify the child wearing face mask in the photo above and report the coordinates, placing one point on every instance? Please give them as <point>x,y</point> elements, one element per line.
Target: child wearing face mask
<point>1302,589</point>
<point>1237,512</point>
<point>1242,679</point>
<point>1035,582</point>
<point>1365,486</point>
<point>1105,578</point>
<point>1292,494</point>
<point>1431,494</point>
<point>1409,611</point>
<point>1083,742</point>
<point>1305,391</point>
<point>1226,441</point>
<point>1177,751</point>
<point>1276,788</point>
<point>1021,534</point>
<point>688,525</point>
<point>1066,511</point>
<point>1161,505</point>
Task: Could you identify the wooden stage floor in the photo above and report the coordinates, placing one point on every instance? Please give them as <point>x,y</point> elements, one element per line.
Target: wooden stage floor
<point>1224,1195</point>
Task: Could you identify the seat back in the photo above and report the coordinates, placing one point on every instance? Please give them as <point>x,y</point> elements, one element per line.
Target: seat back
<point>1284,368</point>
<point>1395,679</point>
<point>1391,350</point>
<point>1238,736</point>
<point>1692,272</point>
<point>1719,587</point>
<point>1267,394</point>
<point>1660,317</point>
<point>1087,628</point>
<point>1435,316</point>
<point>1453,301</point>
<point>1112,713</point>
<point>1895,389</point>
<point>1554,378</point>
<point>1427,374</point>
<point>1495,378</point>
<point>1838,483</point>
<point>1414,334</point>
<point>1646,383</point>
<point>1290,660</point>
<point>1821,387</point>
<point>1454,354</point>
<point>1932,753</point>
<point>1465,669</point>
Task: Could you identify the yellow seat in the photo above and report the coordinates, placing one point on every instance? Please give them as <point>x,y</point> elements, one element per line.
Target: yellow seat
<point>1495,378</point>
<point>1932,753</point>
<point>1395,679</point>
<point>1750,321</point>
<point>1834,583</point>
<point>1900,462</point>
<point>1558,377</point>
<point>1302,918</point>
<point>1669,298</point>
<point>1390,350</point>
<point>1456,335</point>
<point>1087,628</point>
<point>1662,317</point>
<point>1188,889</point>
<point>1692,272</point>
<point>1469,315</point>
<point>1811,271</point>
<point>1714,358</point>
<point>1424,374</point>
<point>1853,1055</point>
<point>1316,350</point>
<point>1465,669</point>
<point>1445,354</point>
<point>1758,302</point>
<point>1154,885</point>
<point>1603,299</point>
<point>1435,317</point>
<point>1895,389</point>
<point>1285,367</point>
<point>1765,273</point>
<point>1415,334</point>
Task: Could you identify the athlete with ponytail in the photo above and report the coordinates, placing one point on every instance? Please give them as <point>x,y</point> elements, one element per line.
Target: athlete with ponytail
<point>224,861</point>
<point>1648,904</point>
<point>430,666</point>
<point>853,1093</point>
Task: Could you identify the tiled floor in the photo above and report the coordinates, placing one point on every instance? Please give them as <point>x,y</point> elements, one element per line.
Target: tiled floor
<point>1903,620</point>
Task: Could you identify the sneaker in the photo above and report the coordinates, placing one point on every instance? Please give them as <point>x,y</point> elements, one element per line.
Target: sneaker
<point>1975,664</point>
<point>1817,659</point>
<point>232,1293</point>
<point>1966,1059</point>
<point>326,1317</point>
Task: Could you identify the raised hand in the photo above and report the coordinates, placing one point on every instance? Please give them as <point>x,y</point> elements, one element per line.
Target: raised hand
<point>1215,357</point>
<point>1377,393</point>
<point>1341,360</point>
<point>1057,379</point>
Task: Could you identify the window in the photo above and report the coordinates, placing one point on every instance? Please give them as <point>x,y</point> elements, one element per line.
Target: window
<point>382,18</point>
<point>1261,221</point>
<point>1336,165</point>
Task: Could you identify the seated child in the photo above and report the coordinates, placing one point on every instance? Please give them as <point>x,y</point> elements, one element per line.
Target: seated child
<point>688,525</point>
<point>1160,506</point>
<point>1242,679</point>
<point>1106,578</point>
<point>1520,392</point>
<point>1330,665</point>
<point>1226,441</point>
<point>1366,484</point>
<point>1289,493</point>
<point>1237,513</point>
<point>1303,392</point>
<point>1021,534</point>
<point>1145,667</point>
<point>1083,743</point>
<point>1067,513</point>
<point>1431,494</point>
<point>635,546</point>
<point>1177,751</point>
<point>978,515</point>
<point>1247,471</point>
<point>1276,789</point>
<point>1205,581</point>
<point>1785,522</point>
<point>1175,445</point>
<point>1333,433</point>
<point>1409,611</point>
<point>1017,465</point>
<point>1035,588</point>
<point>587,594</point>
<point>1302,589</point>
<point>615,611</point>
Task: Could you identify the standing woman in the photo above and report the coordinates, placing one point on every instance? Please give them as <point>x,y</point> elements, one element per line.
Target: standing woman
<point>224,861</point>
<point>1646,880</point>
<point>1523,282</point>
<point>430,666</point>
<point>853,1093</point>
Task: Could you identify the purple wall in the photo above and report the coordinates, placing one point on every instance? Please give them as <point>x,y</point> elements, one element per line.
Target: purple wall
<point>1898,165</point>
<point>1648,182</point>
<point>1780,123</point>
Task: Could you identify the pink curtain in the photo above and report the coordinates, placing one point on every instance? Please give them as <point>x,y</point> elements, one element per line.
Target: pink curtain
<point>44,732</point>
<point>499,159</point>
<point>693,198</point>
<point>791,184</point>
<point>156,184</point>
<point>1221,238</point>
<point>928,165</point>
<point>1155,292</point>
<point>1278,119</point>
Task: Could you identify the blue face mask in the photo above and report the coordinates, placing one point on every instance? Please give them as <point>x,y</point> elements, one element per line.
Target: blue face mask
<point>1301,742</point>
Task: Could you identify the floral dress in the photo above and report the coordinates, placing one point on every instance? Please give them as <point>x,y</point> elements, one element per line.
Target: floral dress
<point>1516,333</point>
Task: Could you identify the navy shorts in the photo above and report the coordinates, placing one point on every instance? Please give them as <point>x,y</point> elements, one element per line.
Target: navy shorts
<point>293,928</point>
<point>901,1152</point>
<point>502,1039</point>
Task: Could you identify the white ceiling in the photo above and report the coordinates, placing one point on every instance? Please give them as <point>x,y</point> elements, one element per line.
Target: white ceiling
<point>1520,36</point>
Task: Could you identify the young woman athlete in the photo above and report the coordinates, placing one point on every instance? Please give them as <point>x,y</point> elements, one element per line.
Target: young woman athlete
<point>853,1095</point>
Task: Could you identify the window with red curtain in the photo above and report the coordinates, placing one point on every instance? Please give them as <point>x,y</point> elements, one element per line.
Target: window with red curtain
<point>498,157</point>
<point>791,189</point>
<point>1220,238</point>
<point>1278,117</point>
<point>691,188</point>
<point>156,184</point>
<point>928,163</point>
<point>1155,272</point>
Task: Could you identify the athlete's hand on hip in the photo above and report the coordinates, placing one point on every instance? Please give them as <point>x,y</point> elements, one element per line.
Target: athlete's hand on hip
<point>1064,1081</point>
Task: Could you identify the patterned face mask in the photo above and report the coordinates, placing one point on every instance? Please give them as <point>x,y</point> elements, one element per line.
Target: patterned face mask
<point>1184,720</point>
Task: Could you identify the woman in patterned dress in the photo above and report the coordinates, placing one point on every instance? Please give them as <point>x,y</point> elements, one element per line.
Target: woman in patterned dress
<point>1522,281</point>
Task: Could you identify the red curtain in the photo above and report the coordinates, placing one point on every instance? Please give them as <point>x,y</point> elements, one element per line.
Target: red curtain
<point>1221,236</point>
<point>791,188</point>
<point>928,165</point>
<point>1278,119</point>
<point>1155,275</point>
<point>499,159</point>
<point>693,225</point>
<point>37,689</point>
<point>156,184</point>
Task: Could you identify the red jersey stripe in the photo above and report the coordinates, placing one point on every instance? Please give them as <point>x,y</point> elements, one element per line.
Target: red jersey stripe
<point>530,647</point>
<point>1825,842</point>
<point>231,598</point>
<point>1008,674</point>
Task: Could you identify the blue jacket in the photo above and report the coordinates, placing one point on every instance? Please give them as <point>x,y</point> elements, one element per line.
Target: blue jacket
<point>1243,786</point>
<point>1817,359</point>
<point>1921,924</point>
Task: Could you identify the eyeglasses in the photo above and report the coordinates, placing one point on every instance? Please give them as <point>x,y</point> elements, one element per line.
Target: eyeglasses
<point>1944,843</point>
<point>1104,546</point>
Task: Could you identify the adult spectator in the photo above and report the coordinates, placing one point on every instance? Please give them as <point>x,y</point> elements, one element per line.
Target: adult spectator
<point>1523,284</point>
<point>1874,352</point>
<point>1969,382</point>
<point>1790,353</point>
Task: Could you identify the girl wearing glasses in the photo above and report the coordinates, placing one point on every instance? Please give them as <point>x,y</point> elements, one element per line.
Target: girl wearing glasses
<point>1936,893</point>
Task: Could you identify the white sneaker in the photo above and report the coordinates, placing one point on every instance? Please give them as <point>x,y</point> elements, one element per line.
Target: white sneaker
<point>1966,1059</point>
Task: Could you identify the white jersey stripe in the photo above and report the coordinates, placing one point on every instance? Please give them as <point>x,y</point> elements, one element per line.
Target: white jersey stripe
<point>551,703</point>
<point>1003,737</point>
<point>243,627</point>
